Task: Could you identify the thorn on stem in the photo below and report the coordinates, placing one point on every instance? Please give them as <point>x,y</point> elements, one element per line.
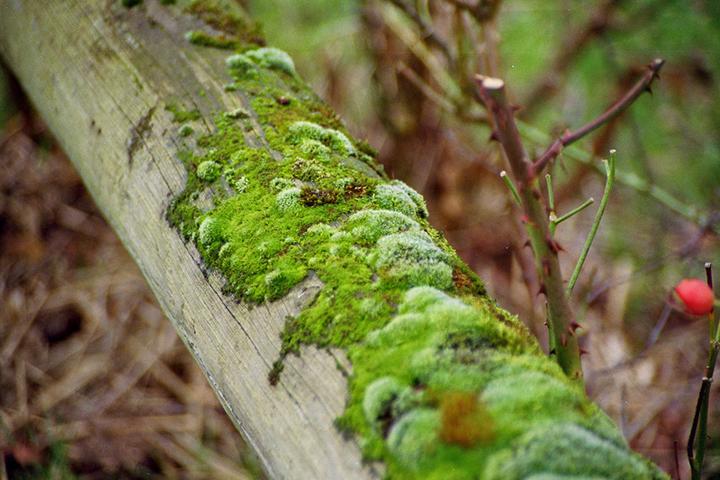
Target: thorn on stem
<point>554,246</point>
<point>546,266</point>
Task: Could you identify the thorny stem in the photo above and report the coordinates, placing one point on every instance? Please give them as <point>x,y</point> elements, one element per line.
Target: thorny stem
<point>570,137</point>
<point>561,323</point>
<point>610,179</point>
<point>696,456</point>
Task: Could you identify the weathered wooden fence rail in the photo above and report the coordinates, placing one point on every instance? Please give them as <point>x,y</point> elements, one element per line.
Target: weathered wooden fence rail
<point>144,100</point>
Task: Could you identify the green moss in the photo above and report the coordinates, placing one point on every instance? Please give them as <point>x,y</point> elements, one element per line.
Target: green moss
<point>414,437</point>
<point>566,450</point>
<point>180,115</point>
<point>444,383</point>
<point>237,113</point>
<point>185,130</point>
<point>208,171</point>
<point>198,37</point>
<point>379,397</point>
<point>227,17</point>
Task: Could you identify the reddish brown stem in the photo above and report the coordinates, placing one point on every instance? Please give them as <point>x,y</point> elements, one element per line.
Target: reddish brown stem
<point>642,85</point>
<point>561,322</point>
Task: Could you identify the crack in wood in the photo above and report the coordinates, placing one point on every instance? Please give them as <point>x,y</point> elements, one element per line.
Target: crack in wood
<point>138,133</point>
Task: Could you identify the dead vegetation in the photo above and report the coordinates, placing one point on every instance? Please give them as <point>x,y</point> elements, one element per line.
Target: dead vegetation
<point>94,380</point>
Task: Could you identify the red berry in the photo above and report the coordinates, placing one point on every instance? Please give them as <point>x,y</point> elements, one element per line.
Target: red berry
<point>695,294</point>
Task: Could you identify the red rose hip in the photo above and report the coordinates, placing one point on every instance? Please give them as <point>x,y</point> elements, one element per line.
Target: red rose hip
<point>696,296</point>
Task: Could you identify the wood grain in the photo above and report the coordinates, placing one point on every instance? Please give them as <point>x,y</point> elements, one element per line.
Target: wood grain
<point>101,75</point>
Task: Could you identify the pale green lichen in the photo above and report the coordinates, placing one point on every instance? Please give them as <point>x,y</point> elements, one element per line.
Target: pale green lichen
<point>279,183</point>
<point>209,232</point>
<point>237,113</point>
<point>412,259</point>
<point>407,247</point>
<point>208,171</point>
<point>288,199</point>
<point>185,130</point>
<point>417,199</point>
<point>318,205</point>
<point>314,149</point>
<point>273,58</point>
<point>369,225</point>
<point>241,66</point>
<point>379,396</point>
<point>414,437</point>
<point>566,450</point>
<point>241,184</point>
<point>396,196</point>
<point>302,131</point>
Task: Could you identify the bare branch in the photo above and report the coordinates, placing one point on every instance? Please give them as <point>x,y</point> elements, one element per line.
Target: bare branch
<point>642,85</point>
<point>481,10</point>
<point>427,31</point>
<point>561,322</point>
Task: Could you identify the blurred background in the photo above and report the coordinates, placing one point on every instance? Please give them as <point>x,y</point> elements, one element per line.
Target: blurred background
<point>94,382</point>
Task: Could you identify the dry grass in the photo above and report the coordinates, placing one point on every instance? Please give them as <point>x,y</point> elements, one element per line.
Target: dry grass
<point>94,379</point>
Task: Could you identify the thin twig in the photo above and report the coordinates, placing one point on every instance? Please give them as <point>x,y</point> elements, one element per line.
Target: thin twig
<point>570,137</point>
<point>574,211</point>
<point>696,455</point>
<point>426,29</point>
<point>610,168</point>
<point>511,186</point>
<point>481,10</point>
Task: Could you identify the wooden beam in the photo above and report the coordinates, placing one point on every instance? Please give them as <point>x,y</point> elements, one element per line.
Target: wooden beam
<point>441,379</point>
<point>100,75</point>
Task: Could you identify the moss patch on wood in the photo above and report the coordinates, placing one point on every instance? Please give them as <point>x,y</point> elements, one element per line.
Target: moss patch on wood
<point>445,384</point>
